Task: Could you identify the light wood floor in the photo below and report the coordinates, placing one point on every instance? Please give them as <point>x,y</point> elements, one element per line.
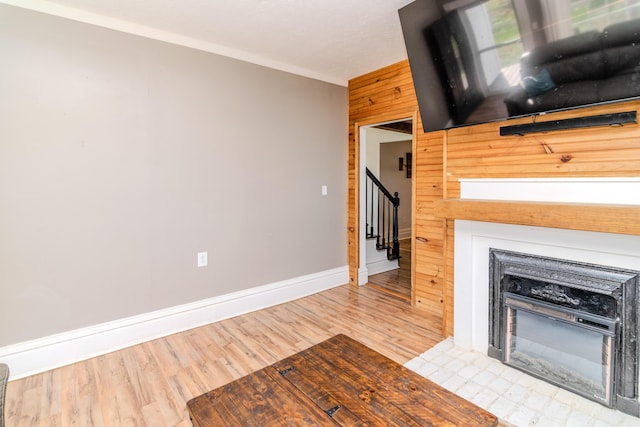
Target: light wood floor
<point>396,282</point>
<point>149,384</point>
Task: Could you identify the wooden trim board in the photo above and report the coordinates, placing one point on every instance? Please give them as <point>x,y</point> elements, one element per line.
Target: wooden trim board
<point>619,219</point>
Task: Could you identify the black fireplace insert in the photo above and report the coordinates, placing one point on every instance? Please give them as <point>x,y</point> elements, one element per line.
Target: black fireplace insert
<point>569,323</point>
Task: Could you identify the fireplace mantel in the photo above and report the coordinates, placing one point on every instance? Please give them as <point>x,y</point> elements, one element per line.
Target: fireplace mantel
<point>618,219</point>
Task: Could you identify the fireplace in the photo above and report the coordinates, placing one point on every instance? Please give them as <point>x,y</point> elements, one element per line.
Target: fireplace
<point>474,320</point>
<point>569,323</point>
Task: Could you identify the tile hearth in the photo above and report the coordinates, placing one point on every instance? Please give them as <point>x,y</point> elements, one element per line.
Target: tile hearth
<point>514,397</point>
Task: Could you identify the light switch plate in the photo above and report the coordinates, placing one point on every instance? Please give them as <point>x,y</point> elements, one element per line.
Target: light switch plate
<point>202,259</point>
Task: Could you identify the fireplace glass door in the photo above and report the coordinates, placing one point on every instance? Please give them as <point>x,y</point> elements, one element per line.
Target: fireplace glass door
<point>567,347</point>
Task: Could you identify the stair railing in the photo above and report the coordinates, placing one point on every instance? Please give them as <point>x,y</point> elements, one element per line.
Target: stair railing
<point>382,216</point>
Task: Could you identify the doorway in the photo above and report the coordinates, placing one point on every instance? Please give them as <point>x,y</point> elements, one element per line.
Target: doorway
<point>386,151</point>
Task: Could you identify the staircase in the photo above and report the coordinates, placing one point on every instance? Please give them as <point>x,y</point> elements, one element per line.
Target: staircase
<point>382,219</point>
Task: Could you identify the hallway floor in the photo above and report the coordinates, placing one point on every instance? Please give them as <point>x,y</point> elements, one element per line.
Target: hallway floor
<point>396,282</point>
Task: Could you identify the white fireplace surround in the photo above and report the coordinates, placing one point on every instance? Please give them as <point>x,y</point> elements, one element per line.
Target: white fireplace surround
<point>473,240</point>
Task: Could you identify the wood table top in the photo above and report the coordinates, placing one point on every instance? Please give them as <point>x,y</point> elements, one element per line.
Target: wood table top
<point>336,382</point>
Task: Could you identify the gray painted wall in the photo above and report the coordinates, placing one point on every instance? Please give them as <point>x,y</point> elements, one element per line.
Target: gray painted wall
<point>122,157</point>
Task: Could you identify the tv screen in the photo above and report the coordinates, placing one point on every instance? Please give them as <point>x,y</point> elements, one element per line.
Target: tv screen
<point>478,61</point>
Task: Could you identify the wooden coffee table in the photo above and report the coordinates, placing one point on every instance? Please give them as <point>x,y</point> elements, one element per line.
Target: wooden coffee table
<point>337,382</point>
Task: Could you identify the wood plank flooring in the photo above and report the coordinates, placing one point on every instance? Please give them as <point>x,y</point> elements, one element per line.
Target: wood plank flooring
<point>150,383</point>
<point>396,282</point>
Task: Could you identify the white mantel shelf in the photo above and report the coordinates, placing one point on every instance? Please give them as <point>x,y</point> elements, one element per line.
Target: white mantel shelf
<point>608,218</point>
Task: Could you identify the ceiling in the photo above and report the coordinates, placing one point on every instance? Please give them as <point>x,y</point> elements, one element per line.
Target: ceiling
<point>329,40</point>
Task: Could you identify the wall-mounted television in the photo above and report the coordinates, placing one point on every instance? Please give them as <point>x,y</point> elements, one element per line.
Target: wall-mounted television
<point>474,61</point>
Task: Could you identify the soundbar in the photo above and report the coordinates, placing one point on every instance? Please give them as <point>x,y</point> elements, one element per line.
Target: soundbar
<point>614,119</point>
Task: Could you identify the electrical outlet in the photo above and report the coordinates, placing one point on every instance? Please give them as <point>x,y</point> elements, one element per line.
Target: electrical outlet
<point>324,190</point>
<point>202,259</point>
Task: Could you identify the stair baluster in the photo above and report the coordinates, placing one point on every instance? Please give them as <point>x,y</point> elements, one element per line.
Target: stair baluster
<point>382,223</point>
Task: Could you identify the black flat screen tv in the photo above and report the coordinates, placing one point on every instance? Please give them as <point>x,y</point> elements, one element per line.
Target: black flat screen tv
<point>475,61</point>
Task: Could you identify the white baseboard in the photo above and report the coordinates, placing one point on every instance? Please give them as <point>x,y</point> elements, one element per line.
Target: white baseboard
<point>404,233</point>
<point>43,354</point>
<point>381,266</point>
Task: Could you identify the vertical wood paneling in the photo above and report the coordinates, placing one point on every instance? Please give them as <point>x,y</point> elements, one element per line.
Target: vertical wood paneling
<point>480,152</point>
<point>380,96</point>
<point>385,95</point>
<point>442,158</point>
<point>428,230</point>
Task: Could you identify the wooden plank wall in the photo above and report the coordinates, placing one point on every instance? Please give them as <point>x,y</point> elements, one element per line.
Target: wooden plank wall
<point>386,95</point>
<point>442,158</point>
<point>480,152</point>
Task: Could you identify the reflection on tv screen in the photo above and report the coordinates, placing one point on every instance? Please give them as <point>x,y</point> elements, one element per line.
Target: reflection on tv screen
<point>498,59</point>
